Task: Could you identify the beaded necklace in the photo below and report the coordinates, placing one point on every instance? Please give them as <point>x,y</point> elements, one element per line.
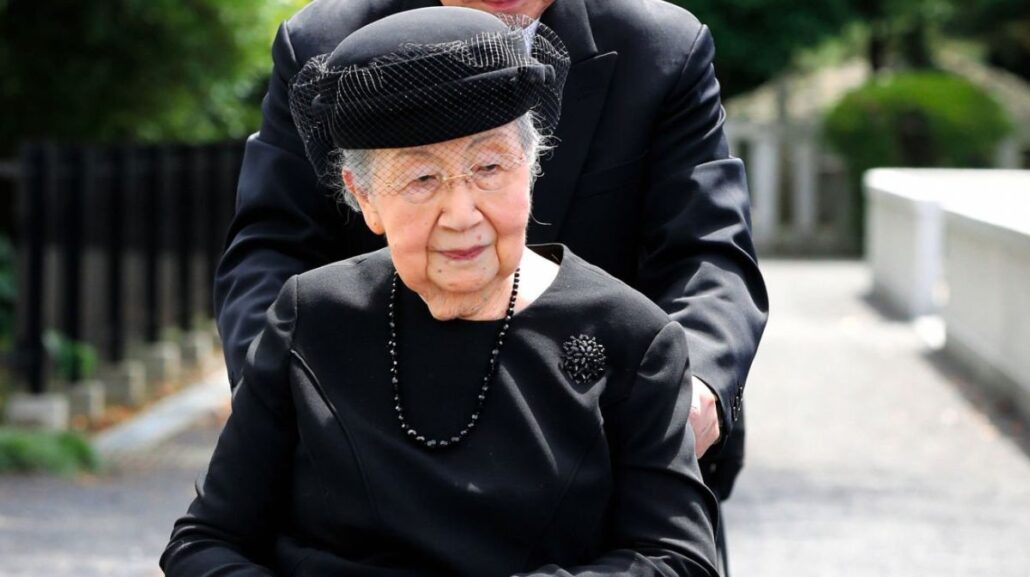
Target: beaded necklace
<point>395,378</point>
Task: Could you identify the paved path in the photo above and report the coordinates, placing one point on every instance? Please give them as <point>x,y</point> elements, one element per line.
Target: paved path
<point>113,525</point>
<point>866,459</point>
<point>864,456</point>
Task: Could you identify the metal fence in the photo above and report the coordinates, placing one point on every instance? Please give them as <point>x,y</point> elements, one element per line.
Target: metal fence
<point>117,243</point>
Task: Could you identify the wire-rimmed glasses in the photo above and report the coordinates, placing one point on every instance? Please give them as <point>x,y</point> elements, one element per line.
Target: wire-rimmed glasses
<point>421,181</point>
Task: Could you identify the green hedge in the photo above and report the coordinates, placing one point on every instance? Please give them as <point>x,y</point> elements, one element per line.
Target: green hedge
<point>917,119</point>
<point>64,453</point>
<point>914,119</point>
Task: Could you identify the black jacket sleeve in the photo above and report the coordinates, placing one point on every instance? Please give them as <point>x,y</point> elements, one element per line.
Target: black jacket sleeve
<point>285,223</point>
<point>697,257</point>
<point>662,517</point>
<point>230,526</point>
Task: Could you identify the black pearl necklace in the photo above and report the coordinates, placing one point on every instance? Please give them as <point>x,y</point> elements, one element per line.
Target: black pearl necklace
<point>395,378</point>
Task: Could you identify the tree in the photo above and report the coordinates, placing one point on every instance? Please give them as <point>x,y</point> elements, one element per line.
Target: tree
<point>1002,25</point>
<point>134,69</point>
<point>756,39</point>
<point>900,31</point>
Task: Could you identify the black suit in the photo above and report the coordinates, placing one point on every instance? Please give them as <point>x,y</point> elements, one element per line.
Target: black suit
<point>641,185</point>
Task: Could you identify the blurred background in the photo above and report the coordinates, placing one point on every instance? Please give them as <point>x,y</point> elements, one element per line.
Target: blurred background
<point>886,142</point>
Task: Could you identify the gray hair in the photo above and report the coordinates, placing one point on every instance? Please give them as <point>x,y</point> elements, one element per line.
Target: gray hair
<point>359,161</point>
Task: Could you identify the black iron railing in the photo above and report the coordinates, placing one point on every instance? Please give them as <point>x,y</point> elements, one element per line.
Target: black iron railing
<point>116,243</point>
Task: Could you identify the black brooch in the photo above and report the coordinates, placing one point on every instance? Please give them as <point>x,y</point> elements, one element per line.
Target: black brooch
<point>582,359</point>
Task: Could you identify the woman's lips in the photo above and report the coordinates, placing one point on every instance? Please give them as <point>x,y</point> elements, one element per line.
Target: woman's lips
<point>502,5</point>
<point>463,253</point>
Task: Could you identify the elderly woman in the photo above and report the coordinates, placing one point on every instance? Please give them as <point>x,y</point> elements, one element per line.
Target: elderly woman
<point>457,404</point>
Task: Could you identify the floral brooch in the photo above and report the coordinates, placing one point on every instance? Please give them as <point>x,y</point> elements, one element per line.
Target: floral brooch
<point>583,359</point>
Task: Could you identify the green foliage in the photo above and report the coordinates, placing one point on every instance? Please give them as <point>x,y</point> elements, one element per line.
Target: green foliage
<point>903,14</point>
<point>62,453</point>
<point>916,119</point>
<point>905,28</point>
<point>756,39</point>
<point>1003,25</point>
<point>901,32</point>
<point>144,69</point>
<point>986,16</point>
<point>73,360</point>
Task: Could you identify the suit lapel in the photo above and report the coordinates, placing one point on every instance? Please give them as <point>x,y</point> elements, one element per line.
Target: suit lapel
<point>586,89</point>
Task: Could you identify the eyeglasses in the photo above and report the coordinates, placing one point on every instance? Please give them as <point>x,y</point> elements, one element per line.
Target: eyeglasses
<point>419,184</point>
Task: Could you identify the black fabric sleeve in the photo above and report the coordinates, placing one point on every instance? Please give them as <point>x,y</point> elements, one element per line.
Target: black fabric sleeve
<point>662,516</point>
<point>284,224</point>
<point>698,260</point>
<point>230,526</point>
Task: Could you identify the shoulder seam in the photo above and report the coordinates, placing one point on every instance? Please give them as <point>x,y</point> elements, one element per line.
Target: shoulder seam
<point>296,309</point>
<point>693,49</point>
<point>285,27</point>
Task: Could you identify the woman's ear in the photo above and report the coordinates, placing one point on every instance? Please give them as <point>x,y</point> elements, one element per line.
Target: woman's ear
<point>368,209</point>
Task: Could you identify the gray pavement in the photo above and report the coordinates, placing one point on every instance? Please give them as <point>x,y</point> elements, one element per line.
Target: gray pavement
<point>865,454</point>
<point>112,525</point>
<point>866,457</point>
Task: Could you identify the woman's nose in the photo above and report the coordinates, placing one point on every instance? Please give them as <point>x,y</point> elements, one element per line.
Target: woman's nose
<point>459,211</point>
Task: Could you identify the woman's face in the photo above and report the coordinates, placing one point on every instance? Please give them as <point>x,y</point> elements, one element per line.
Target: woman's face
<point>454,213</point>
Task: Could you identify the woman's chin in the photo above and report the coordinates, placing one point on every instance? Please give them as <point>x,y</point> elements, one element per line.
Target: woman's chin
<point>464,277</point>
<point>463,287</point>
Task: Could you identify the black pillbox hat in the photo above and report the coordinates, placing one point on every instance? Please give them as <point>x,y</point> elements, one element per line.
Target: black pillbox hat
<point>425,76</point>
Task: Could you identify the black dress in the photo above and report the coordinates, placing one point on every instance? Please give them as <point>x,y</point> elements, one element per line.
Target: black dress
<point>314,476</point>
